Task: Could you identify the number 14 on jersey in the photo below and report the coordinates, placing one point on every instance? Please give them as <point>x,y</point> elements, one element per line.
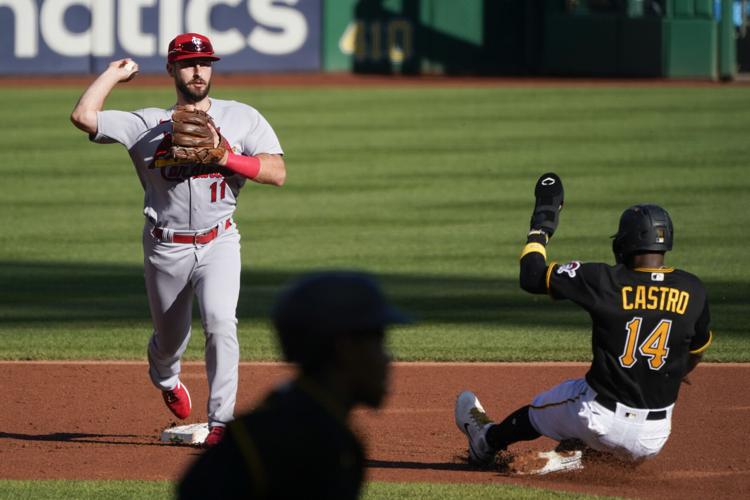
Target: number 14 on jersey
<point>654,347</point>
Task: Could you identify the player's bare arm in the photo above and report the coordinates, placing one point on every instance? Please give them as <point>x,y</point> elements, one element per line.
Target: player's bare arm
<point>272,170</point>
<point>92,100</point>
<point>263,168</point>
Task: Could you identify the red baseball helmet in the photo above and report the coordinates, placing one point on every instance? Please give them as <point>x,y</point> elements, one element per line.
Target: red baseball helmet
<point>190,46</point>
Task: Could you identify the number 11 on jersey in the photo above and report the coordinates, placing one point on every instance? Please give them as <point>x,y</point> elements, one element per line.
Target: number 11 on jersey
<point>654,347</point>
<point>221,188</point>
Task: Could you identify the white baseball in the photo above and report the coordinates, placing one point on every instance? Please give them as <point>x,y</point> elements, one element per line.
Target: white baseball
<point>129,66</point>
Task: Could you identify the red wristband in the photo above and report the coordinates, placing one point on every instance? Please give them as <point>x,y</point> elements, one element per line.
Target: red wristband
<point>249,166</point>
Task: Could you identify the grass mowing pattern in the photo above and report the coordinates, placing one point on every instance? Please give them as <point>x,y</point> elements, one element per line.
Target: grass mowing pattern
<point>162,490</point>
<point>395,491</point>
<point>430,188</point>
<point>85,490</point>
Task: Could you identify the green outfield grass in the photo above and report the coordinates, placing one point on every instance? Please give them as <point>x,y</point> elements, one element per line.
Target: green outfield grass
<point>122,490</point>
<point>429,188</point>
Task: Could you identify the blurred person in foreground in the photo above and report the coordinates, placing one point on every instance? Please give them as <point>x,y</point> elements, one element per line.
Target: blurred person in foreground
<point>297,443</point>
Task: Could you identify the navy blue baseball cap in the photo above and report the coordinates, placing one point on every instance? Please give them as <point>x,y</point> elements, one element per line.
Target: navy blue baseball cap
<point>312,310</point>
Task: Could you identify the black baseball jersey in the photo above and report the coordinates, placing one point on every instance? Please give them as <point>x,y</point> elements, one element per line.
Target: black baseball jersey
<point>645,324</point>
<point>294,445</point>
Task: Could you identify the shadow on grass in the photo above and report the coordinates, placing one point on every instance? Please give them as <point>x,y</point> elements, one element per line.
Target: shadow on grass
<point>71,292</point>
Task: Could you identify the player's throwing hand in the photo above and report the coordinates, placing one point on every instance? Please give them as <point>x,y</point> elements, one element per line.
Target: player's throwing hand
<point>125,69</point>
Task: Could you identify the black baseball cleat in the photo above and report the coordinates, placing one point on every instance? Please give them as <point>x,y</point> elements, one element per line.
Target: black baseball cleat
<point>549,195</point>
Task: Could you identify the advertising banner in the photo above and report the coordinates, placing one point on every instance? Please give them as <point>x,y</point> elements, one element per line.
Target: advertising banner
<point>82,36</point>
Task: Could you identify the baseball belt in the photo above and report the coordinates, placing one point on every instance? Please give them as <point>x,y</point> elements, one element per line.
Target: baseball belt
<point>200,238</point>
<point>611,405</point>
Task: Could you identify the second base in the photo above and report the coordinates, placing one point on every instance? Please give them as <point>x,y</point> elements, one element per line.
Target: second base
<point>185,434</point>
<point>557,462</point>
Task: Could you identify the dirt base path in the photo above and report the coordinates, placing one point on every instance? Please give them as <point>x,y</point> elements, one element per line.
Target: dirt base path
<point>84,420</point>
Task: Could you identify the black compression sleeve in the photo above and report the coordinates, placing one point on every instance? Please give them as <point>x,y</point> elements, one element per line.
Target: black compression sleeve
<point>533,275</point>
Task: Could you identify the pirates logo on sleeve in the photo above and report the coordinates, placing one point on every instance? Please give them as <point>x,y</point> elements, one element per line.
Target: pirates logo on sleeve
<point>570,268</point>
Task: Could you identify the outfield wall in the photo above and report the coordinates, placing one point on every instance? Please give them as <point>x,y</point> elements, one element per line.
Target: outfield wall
<point>661,38</point>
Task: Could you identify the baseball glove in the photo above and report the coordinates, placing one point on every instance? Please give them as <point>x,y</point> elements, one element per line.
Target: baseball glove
<point>193,139</point>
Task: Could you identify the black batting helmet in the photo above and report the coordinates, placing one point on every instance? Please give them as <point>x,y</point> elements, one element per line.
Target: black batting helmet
<point>643,228</point>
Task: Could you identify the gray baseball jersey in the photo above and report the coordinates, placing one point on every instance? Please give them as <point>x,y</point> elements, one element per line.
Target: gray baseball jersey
<point>183,196</point>
<point>189,199</point>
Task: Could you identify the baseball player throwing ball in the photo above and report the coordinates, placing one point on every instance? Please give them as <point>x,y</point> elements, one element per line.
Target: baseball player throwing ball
<point>650,328</point>
<point>192,159</point>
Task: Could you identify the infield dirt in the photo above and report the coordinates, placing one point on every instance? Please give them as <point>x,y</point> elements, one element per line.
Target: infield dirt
<point>102,420</point>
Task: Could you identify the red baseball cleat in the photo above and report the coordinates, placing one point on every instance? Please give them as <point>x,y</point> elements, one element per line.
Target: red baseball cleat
<point>215,435</point>
<point>178,401</point>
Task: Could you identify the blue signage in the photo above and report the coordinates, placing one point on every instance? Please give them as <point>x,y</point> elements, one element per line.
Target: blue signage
<point>84,36</point>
